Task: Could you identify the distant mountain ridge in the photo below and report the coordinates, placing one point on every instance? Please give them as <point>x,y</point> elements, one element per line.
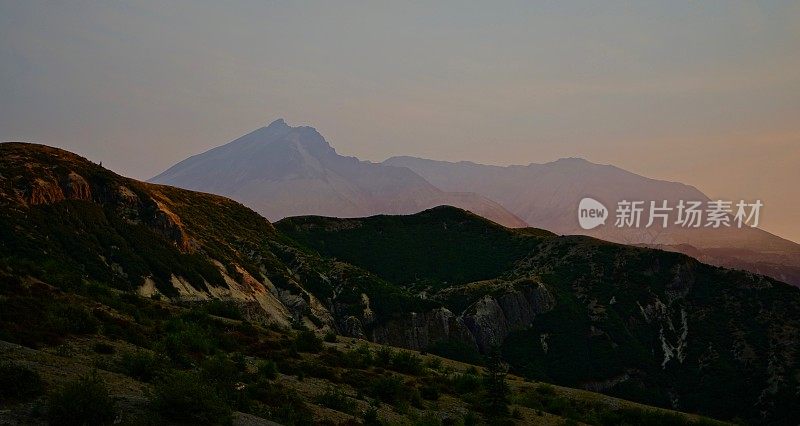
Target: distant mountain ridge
<point>547,196</point>
<point>283,171</point>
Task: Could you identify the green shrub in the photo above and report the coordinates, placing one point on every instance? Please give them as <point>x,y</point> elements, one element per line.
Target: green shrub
<point>495,400</point>
<point>74,319</point>
<point>225,376</point>
<point>330,337</point>
<point>470,419</point>
<point>360,357</point>
<point>122,329</point>
<point>359,379</point>
<point>141,365</point>
<point>406,362</point>
<point>223,308</point>
<point>336,400</point>
<point>185,339</point>
<point>240,360</point>
<point>82,402</point>
<point>389,389</point>
<point>434,363</point>
<point>384,356</point>
<point>465,383</point>
<point>267,369</point>
<point>545,389</point>
<point>333,357</point>
<point>184,397</point>
<point>561,407</point>
<point>219,371</point>
<point>370,417</point>
<point>428,418</point>
<point>414,397</point>
<point>307,341</point>
<point>279,404</point>
<point>18,382</point>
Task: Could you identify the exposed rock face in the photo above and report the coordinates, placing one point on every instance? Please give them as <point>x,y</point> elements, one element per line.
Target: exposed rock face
<point>352,327</point>
<point>419,330</point>
<point>485,323</point>
<point>304,305</point>
<point>44,192</point>
<point>675,348</point>
<point>48,188</point>
<point>491,318</point>
<point>169,225</point>
<point>78,188</point>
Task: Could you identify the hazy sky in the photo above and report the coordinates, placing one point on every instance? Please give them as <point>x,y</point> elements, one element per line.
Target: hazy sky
<point>706,93</point>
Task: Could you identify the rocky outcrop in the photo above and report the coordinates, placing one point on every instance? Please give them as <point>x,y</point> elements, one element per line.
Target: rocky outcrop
<point>77,187</point>
<point>485,323</point>
<point>493,317</point>
<point>48,185</point>
<point>47,188</point>
<point>43,191</point>
<point>351,326</point>
<point>419,330</point>
<point>170,226</point>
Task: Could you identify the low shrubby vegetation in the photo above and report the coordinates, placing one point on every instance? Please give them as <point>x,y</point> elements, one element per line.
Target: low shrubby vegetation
<point>308,341</point>
<point>336,400</point>
<point>185,397</point>
<point>544,399</point>
<point>407,363</point>
<point>267,370</point>
<point>142,365</point>
<point>85,401</point>
<point>200,363</point>
<point>223,308</point>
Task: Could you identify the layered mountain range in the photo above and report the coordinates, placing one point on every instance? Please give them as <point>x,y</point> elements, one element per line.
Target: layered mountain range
<point>647,325</point>
<point>283,171</point>
<point>547,196</point>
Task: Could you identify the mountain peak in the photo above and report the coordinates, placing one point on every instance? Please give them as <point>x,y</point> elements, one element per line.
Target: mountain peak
<point>278,124</point>
<point>572,160</point>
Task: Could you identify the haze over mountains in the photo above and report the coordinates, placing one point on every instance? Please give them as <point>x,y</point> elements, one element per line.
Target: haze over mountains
<point>283,171</point>
<point>547,196</point>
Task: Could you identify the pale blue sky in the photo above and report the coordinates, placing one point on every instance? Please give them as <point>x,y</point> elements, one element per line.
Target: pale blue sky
<point>707,93</point>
